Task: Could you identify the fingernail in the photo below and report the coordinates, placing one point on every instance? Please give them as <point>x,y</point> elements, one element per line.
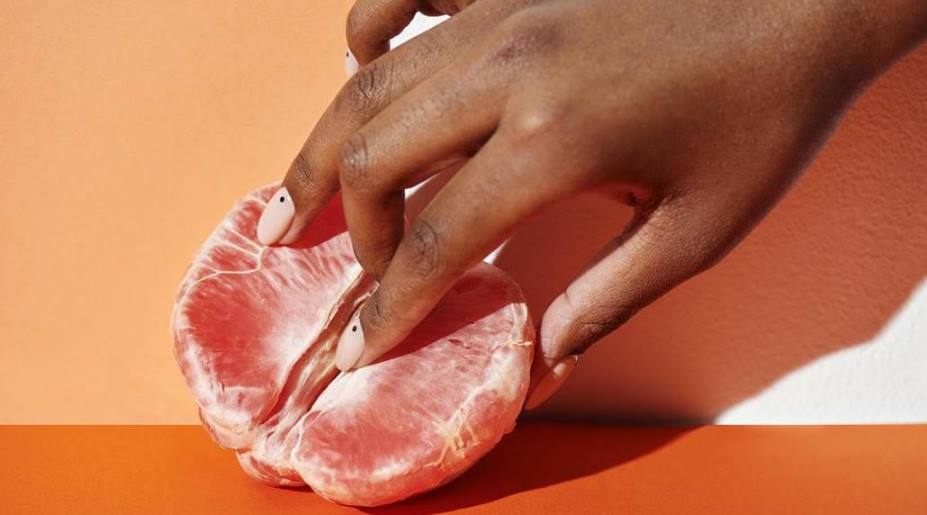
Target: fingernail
<point>350,64</point>
<point>291,236</point>
<point>350,345</point>
<point>552,381</point>
<point>276,218</point>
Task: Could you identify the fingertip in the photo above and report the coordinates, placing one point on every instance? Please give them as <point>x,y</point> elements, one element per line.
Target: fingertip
<point>555,325</point>
<point>350,345</point>
<point>552,381</point>
<point>376,341</point>
<point>355,347</point>
<point>370,354</point>
<point>276,218</point>
<point>292,233</point>
<point>350,63</point>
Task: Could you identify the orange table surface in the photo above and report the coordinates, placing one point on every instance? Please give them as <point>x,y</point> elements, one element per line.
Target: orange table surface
<point>540,468</point>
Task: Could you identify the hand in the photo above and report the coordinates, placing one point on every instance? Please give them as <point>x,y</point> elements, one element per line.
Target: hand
<point>699,114</point>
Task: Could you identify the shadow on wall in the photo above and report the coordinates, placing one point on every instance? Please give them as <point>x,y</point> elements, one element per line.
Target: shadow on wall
<point>825,271</point>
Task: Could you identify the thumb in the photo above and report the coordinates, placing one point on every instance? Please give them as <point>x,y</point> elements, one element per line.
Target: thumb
<point>652,256</point>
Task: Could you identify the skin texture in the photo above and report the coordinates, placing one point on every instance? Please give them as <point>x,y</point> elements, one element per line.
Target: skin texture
<point>699,114</point>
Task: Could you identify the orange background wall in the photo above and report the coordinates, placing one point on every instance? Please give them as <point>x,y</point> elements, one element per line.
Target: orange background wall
<point>128,128</point>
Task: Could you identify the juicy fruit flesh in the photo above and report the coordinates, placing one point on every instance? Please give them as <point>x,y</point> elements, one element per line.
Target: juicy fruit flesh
<point>255,330</point>
<point>245,314</point>
<point>419,419</point>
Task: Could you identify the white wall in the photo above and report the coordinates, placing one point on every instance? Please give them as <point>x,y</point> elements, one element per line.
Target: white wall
<point>881,380</point>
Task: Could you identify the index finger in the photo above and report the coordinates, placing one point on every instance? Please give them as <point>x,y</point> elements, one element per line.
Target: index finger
<point>312,178</point>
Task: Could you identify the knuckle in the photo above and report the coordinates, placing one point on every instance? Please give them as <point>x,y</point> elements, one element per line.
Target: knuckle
<point>536,123</point>
<point>353,162</point>
<point>524,36</point>
<point>423,249</point>
<point>365,91</point>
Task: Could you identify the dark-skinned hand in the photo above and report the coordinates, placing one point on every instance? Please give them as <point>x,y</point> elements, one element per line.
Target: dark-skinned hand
<point>699,114</point>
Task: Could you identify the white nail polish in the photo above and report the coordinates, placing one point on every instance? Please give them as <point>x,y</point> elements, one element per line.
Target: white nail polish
<point>350,64</point>
<point>552,381</point>
<point>276,218</point>
<point>350,345</point>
